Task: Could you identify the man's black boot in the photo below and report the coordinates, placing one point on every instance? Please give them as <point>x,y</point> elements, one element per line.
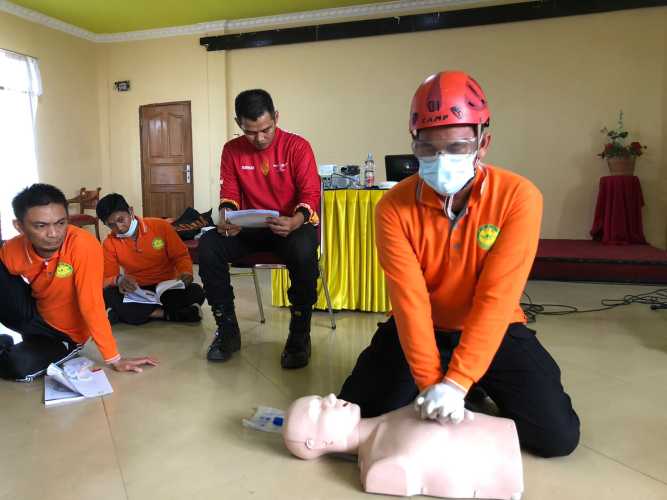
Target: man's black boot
<point>297,348</point>
<point>227,337</point>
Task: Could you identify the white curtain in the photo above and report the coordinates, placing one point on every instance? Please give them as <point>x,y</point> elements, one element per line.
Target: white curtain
<point>20,87</point>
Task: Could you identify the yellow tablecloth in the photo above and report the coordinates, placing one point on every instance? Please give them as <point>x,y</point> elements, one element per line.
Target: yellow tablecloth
<point>355,279</point>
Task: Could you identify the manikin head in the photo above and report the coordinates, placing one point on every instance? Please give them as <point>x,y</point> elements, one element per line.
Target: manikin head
<point>317,425</point>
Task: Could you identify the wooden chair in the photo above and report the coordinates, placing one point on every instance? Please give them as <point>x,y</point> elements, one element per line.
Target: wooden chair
<point>87,200</point>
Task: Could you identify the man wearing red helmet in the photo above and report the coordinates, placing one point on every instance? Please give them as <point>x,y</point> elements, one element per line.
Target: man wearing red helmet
<point>457,243</point>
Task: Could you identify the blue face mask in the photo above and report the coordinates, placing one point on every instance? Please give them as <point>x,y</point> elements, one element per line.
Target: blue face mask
<point>447,174</point>
<point>130,232</point>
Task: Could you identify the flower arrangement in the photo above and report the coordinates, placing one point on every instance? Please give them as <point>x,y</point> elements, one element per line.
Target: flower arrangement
<point>617,147</point>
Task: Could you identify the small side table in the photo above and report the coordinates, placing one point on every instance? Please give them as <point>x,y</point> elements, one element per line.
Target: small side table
<point>618,213</point>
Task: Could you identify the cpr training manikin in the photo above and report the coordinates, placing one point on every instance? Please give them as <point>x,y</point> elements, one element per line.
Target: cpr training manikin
<point>401,454</point>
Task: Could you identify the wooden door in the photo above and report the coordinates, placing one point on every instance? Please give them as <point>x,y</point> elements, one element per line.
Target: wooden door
<point>166,158</point>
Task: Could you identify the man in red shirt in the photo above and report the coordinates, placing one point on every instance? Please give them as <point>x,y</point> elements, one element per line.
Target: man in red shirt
<point>265,168</point>
<point>51,278</point>
<point>456,243</point>
<point>149,252</point>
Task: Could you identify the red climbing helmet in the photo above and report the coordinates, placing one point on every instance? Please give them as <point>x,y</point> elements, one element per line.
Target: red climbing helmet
<point>448,98</point>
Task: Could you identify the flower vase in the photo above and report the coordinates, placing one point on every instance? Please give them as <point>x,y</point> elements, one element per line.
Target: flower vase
<point>622,165</point>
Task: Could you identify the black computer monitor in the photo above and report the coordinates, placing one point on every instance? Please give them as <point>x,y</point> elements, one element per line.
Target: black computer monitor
<point>399,167</point>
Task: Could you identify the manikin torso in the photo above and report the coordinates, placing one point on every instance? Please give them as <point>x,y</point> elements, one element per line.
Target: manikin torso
<point>477,458</point>
<point>401,454</point>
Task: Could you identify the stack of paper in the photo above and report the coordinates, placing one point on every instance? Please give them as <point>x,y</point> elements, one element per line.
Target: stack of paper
<point>163,286</point>
<point>57,394</point>
<point>250,218</point>
<point>141,296</point>
<point>60,389</point>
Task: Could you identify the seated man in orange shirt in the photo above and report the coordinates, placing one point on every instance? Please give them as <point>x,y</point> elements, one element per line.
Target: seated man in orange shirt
<point>457,242</point>
<point>149,251</point>
<point>51,278</point>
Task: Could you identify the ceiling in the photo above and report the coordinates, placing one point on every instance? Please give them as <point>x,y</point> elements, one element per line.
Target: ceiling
<point>116,16</point>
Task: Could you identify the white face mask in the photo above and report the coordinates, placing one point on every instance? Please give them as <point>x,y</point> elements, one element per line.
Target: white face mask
<point>447,174</point>
<point>130,232</point>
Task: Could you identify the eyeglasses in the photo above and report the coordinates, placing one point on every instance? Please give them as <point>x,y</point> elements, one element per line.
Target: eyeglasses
<point>430,149</point>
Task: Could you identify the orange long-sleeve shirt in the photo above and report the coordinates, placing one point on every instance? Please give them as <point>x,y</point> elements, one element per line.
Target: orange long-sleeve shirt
<point>67,287</point>
<point>158,254</point>
<point>465,275</point>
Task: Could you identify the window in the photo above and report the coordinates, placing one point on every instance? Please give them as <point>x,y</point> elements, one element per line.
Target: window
<point>20,87</point>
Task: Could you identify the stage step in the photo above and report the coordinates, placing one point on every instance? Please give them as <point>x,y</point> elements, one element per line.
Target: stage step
<point>586,260</point>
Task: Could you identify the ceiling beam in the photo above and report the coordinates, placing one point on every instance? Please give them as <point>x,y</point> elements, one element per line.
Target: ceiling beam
<point>480,16</point>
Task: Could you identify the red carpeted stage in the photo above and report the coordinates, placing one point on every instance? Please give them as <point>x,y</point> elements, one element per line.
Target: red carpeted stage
<point>585,260</point>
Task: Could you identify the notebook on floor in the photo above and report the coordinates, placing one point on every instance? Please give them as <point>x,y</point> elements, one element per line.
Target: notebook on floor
<point>60,389</point>
<point>141,296</point>
<point>57,394</point>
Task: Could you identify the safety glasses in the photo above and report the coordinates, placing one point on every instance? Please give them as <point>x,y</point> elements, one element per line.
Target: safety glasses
<point>428,150</point>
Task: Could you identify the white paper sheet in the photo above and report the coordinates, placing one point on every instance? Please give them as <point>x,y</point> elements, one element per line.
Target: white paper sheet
<point>98,385</point>
<point>250,218</point>
<point>163,286</point>
<point>141,296</point>
<point>57,394</point>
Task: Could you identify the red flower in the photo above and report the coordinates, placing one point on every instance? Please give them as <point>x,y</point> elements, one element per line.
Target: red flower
<point>636,146</point>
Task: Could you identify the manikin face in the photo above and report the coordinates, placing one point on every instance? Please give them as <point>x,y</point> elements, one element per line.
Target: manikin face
<point>321,424</point>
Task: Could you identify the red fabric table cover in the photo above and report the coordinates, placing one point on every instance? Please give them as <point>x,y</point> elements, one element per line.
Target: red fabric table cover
<point>618,213</point>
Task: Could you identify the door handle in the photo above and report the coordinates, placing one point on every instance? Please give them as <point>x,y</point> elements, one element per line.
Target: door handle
<point>188,174</point>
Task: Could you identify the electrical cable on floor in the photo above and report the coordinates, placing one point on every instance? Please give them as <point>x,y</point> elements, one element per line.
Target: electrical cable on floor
<point>656,299</point>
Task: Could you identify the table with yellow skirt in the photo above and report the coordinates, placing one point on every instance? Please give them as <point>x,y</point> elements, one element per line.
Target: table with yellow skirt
<point>355,278</point>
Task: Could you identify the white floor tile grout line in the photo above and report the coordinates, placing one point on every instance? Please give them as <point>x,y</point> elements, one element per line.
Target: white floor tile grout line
<point>256,368</point>
<point>623,464</point>
<point>115,450</point>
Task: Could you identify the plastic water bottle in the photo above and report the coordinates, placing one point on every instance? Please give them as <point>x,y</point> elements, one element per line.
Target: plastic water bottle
<point>369,171</point>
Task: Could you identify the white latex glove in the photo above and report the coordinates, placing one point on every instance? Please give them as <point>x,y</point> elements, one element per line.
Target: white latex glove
<point>443,401</point>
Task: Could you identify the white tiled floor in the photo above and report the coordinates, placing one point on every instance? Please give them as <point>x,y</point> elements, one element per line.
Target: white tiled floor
<point>175,432</point>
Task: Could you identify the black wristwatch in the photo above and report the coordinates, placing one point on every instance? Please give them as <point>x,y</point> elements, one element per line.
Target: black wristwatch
<point>227,205</point>
<point>305,212</point>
